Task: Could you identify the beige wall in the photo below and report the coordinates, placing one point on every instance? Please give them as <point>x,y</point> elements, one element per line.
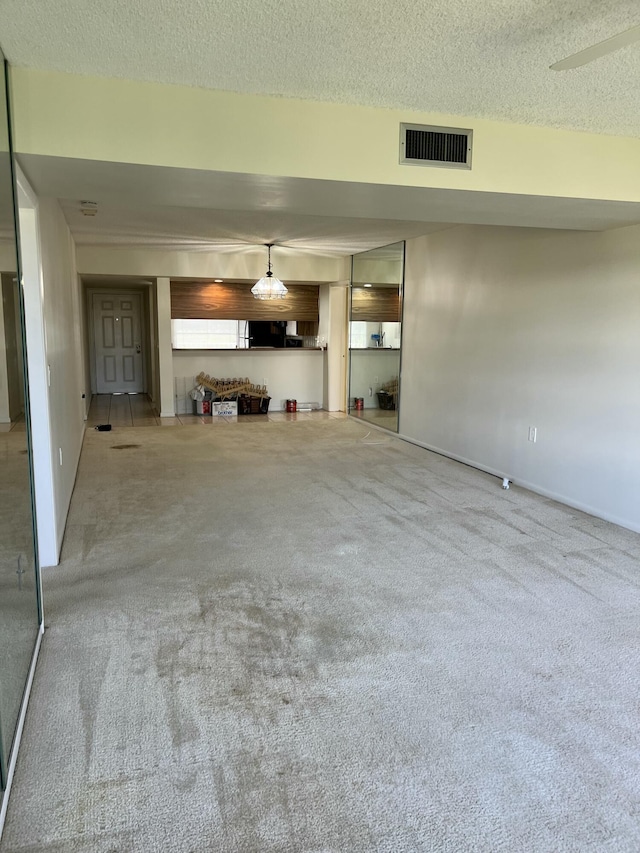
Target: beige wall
<point>13,345</point>
<point>132,122</point>
<point>288,374</point>
<point>10,373</point>
<point>7,254</point>
<point>5,402</point>
<point>510,328</point>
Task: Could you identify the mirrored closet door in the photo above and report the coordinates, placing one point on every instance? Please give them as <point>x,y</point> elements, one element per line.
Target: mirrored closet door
<point>375,335</point>
<point>20,610</point>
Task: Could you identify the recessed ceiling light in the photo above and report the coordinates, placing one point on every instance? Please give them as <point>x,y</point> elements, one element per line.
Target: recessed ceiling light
<point>368,285</point>
<point>218,280</point>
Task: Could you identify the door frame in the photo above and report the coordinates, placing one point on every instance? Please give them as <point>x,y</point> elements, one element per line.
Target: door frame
<point>106,289</point>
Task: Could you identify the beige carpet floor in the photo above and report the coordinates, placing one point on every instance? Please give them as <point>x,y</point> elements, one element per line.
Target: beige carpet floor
<point>310,638</point>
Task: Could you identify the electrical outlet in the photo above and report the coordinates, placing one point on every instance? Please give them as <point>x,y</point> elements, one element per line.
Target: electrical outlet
<point>533,434</point>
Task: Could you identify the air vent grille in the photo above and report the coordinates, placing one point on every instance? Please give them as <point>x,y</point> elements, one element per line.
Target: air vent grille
<point>435,146</point>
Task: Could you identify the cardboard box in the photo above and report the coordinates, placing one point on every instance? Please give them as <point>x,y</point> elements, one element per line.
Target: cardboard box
<point>226,409</point>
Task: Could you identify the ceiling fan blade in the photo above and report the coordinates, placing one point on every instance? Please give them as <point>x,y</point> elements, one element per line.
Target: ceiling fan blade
<point>597,50</point>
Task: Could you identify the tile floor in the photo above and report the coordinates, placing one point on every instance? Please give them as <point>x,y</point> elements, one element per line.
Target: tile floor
<point>18,425</point>
<point>379,417</point>
<point>134,410</point>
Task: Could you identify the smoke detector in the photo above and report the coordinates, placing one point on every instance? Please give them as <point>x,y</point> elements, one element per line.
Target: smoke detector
<point>88,208</point>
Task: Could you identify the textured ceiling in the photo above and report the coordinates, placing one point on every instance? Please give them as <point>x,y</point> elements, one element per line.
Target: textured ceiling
<point>487,59</point>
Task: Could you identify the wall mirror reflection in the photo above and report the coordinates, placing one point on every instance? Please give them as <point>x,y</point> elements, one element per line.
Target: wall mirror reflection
<point>19,603</point>
<point>375,335</point>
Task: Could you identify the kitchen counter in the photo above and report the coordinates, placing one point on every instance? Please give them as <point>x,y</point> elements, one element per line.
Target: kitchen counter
<point>243,350</point>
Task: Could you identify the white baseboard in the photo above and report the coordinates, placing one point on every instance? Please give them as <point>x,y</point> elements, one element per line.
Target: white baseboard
<point>18,736</point>
<point>456,458</point>
<point>590,510</point>
<point>532,487</point>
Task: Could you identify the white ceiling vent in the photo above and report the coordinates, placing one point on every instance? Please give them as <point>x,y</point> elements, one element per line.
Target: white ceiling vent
<point>424,145</point>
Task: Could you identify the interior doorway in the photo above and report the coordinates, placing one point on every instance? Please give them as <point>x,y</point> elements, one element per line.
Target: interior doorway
<point>117,337</point>
<point>11,367</point>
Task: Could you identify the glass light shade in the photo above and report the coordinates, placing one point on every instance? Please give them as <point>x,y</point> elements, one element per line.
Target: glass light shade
<point>269,287</point>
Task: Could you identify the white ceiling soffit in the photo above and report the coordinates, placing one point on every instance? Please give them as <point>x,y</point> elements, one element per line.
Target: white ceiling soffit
<point>167,208</point>
<point>202,230</point>
<point>487,59</point>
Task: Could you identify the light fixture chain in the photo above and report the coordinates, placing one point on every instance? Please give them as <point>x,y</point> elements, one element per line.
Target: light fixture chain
<point>269,286</point>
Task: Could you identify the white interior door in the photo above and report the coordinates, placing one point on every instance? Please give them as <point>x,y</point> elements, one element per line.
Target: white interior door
<point>118,342</point>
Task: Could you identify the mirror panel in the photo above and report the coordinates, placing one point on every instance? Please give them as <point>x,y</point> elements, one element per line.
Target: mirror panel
<point>19,585</point>
<point>375,335</point>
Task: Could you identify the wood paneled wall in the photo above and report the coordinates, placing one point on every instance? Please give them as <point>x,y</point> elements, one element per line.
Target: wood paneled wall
<point>376,305</point>
<point>230,301</point>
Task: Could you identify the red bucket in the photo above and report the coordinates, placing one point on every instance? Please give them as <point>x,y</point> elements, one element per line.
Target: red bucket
<point>292,405</point>
<point>359,403</point>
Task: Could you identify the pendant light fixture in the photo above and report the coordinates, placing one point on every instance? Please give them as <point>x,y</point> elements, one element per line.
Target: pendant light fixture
<point>269,287</point>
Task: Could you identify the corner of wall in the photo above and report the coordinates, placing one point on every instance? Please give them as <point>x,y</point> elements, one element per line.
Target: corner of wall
<point>65,355</point>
